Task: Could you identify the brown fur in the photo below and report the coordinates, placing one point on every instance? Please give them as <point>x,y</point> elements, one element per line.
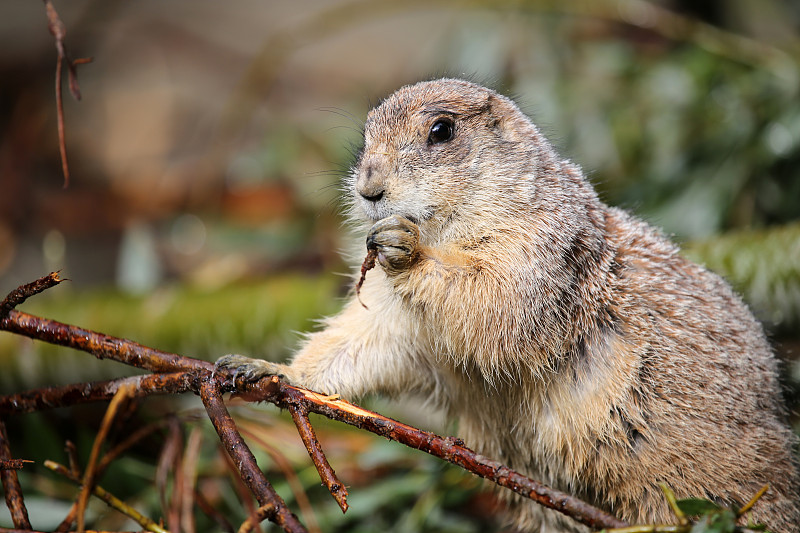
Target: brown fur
<point>571,340</point>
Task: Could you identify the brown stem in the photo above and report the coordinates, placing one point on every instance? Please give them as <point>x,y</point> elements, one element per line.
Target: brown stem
<point>23,292</point>
<point>11,487</point>
<point>100,345</point>
<point>260,514</point>
<point>212,513</point>
<point>326,472</point>
<point>89,478</point>
<point>283,464</point>
<point>98,391</point>
<point>244,459</point>
<point>59,32</point>
<point>13,464</point>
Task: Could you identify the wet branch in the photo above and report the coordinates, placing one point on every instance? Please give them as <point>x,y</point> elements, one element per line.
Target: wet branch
<point>11,487</point>
<point>326,473</point>
<point>274,507</point>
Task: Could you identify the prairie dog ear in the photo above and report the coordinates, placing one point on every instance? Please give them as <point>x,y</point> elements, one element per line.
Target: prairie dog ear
<point>505,117</point>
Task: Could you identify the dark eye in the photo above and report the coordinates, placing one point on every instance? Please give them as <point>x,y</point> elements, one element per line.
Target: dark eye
<point>441,131</point>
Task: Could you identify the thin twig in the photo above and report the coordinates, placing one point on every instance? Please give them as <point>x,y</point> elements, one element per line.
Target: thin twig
<point>122,395</point>
<point>279,458</point>
<point>245,461</point>
<point>22,293</point>
<point>13,464</point>
<point>252,521</point>
<point>11,486</point>
<point>100,345</point>
<point>35,400</point>
<point>749,505</point>
<point>189,467</point>
<point>59,31</point>
<point>211,512</point>
<point>241,488</point>
<point>110,499</point>
<point>326,472</point>
<point>72,457</point>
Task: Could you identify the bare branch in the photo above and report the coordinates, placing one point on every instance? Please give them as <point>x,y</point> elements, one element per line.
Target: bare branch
<point>122,395</point>
<point>326,473</point>
<point>244,459</point>
<point>13,464</point>
<point>449,449</point>
<point>98,391</point>
<point>100,345</point>
<point>22,293</point>
<point>11,487</point>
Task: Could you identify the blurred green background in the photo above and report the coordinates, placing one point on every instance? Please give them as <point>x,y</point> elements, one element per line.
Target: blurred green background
<point>206,157</point>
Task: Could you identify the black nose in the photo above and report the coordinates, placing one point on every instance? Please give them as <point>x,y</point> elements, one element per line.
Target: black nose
<point>372,196</point>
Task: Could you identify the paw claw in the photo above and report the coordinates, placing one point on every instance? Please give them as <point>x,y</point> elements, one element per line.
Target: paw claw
<point>245,368</point>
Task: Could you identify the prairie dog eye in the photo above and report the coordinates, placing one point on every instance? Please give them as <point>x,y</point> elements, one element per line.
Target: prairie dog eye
<point>441,131</point>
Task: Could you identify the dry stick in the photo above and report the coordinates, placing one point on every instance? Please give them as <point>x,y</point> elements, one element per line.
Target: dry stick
<point>189,467</point>
<point>211,395</point>
<point>13,464</point>
<point>242,491</point>
<point>252,521</point>
<point>283,464</point>
<point>23,292</point>
<point>109,498</point>
<point>35,400</point>
<point>75,469</point>
<point>326,473</point>
<point>212,513</point>
<point>366,266</point>
<point>11,486</point>
<point>122,395</point>
<point>72,456</point>
<point>59,32</point>
<point>100,345</point>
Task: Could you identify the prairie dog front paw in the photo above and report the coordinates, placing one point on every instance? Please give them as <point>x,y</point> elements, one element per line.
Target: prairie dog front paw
<point>239,366</point>
<point>396,240</point>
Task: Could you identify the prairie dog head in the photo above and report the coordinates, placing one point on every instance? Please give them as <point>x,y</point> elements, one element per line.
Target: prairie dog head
<point>440,152</point>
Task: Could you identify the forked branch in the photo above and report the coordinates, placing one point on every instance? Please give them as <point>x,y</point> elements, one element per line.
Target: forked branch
<point>177,374</point>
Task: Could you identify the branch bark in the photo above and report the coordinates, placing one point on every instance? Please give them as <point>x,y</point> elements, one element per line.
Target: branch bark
<point>11,487</point>
<point>274,507</point>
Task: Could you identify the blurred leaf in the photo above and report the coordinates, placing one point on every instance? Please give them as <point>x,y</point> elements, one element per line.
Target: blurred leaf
<point>696,506</point>
<point>764,266</point>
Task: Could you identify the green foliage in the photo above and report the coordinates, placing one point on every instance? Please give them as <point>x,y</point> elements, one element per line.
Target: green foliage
<point>763,265</point>
<point>697,506</point>
<point>260,319</point>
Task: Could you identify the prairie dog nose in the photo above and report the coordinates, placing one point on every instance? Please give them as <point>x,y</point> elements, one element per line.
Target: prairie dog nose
<point>370,183</point>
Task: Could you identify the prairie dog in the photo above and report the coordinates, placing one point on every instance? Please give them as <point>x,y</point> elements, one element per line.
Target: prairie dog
<point>569,339</point>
